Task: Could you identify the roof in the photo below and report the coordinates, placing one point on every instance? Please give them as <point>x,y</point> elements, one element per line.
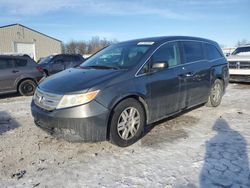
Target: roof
<point>168,38</point>
<point>29,29</point>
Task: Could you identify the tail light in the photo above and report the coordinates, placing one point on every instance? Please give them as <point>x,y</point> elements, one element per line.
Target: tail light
<point>40,69</point>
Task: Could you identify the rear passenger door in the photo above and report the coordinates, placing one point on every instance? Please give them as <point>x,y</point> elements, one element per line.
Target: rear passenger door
<point>196,73</point>
<point>7,75</point>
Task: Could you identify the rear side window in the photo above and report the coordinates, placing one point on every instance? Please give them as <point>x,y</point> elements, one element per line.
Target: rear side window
<point>193,51</point>
<point>69,58</point>
<point>20,62</point>
<point>5,64</point>
<point>212,52</point>
<point>77,58</point>
<point>168,53</point>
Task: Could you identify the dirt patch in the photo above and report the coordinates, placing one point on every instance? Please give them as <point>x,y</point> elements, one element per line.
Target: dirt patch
<point>241,86</point>
<point>168,131</point>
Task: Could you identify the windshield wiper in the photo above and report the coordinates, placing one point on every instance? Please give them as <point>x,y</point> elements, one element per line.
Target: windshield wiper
<point>101,67</point>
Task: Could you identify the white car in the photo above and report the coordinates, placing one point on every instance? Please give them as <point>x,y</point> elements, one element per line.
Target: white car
<point>239,64</point>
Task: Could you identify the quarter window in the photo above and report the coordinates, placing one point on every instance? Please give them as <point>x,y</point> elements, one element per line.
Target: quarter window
<point>168,53</point>
<point>193,51</point>
<point>20,62</point>
<point>212,52</point>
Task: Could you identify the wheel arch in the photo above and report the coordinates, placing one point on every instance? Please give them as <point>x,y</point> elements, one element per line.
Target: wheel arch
<point>23,79</point>
<point>139,98</point>
<point>220,72</point>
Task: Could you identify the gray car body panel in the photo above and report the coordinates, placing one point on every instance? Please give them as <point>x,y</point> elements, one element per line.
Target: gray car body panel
<point>162,93</point>
<point>11,77</point>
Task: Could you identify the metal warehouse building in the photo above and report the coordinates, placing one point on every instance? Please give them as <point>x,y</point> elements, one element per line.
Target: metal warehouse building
<point>17,38</point>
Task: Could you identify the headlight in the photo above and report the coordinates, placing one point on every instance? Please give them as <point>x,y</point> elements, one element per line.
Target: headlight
<point>77,99</point>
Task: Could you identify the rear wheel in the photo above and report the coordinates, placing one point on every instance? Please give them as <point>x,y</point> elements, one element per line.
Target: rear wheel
<point>27,87</point>
<point>127,123</point>
<point>216,93</point>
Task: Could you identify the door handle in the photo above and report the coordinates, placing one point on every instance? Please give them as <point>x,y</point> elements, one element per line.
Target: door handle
<point>15,71</point>
<point>189,74</point>
<point>185,75</point>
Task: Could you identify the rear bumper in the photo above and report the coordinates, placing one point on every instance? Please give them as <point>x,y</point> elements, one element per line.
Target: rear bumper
<point>86,122</point>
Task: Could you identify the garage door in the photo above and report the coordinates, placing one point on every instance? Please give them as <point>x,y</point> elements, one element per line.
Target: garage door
<point>25,48</point>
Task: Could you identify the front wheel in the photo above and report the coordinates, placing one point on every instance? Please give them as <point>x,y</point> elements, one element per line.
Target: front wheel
<point>27,87</point>
<point>216,93</point>
<point>127,123</point>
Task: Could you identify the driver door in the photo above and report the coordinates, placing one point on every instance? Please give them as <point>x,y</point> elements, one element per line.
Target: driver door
<point>167,91</point>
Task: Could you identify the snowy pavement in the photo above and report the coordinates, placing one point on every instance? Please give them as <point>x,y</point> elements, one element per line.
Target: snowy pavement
<point>205,147</point>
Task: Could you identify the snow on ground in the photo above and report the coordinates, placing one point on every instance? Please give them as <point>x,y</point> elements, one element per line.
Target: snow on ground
<point>205,147</point>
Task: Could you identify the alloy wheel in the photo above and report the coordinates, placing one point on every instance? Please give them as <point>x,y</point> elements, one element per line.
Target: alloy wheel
<point>128,123</point>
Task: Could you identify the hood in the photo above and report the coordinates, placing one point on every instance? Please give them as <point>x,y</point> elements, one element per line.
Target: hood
<point>76,80</point>
<point>238,58</point>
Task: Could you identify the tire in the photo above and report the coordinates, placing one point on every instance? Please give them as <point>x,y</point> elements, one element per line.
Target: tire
<point>27,87</point>
<point>216,94</point>
<point>126,132</point>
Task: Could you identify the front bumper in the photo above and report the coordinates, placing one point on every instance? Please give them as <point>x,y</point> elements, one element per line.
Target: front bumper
<point>239,75</point>
<point>86,122</point>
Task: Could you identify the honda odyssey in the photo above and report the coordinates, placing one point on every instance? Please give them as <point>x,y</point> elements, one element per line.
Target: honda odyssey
<point>117,91</point>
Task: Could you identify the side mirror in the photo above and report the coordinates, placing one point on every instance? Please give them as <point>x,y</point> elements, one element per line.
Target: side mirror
<point>159,65</point>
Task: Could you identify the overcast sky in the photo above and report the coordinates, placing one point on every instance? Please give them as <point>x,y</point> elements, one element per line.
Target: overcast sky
<point>224,21</point>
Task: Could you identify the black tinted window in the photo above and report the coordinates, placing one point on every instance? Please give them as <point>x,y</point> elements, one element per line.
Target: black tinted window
<point>193,51</point>
<point>168,53</point>
<point>5,64</point>
<point>58,58</point>
<point>69,58</point>
<point>77,58</point>
<point>20,62</point>
<point>212,52</point>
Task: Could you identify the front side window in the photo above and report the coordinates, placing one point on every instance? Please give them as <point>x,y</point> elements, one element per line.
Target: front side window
<point>193,51</point>
<point>167,53</point>
<point>45,60</point>
<point>212,52</point>
<point>117,56</point>
<point>5,64</point>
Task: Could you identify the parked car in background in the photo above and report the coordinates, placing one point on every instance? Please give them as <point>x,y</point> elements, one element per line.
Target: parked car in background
<point>239,64</point>
<point>19,74</point>
<point>125,86</point>
<point>56,63</point>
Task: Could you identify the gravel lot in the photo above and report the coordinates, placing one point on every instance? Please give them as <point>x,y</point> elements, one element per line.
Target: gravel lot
<point>206,147</point>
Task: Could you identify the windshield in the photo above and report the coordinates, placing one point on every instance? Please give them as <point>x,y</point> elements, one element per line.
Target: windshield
<point>117,56</point>
<point>242,51</point>
<point>45,60</point>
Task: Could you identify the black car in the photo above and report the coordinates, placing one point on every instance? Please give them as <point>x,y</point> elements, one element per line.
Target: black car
<point>56,63</point>
<point>116,92</point>
<point>19,74</point>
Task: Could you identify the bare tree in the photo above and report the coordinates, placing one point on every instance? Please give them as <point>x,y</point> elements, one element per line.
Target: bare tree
<point>89,47</point>
<point>241,42</point>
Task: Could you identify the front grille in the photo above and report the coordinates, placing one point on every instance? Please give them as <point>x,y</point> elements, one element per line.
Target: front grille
<point>239,64</point>
<point>45,100</point>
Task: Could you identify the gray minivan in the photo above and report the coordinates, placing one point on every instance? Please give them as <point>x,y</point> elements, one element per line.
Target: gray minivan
<point>19,74</point>
<point>116,92</point>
